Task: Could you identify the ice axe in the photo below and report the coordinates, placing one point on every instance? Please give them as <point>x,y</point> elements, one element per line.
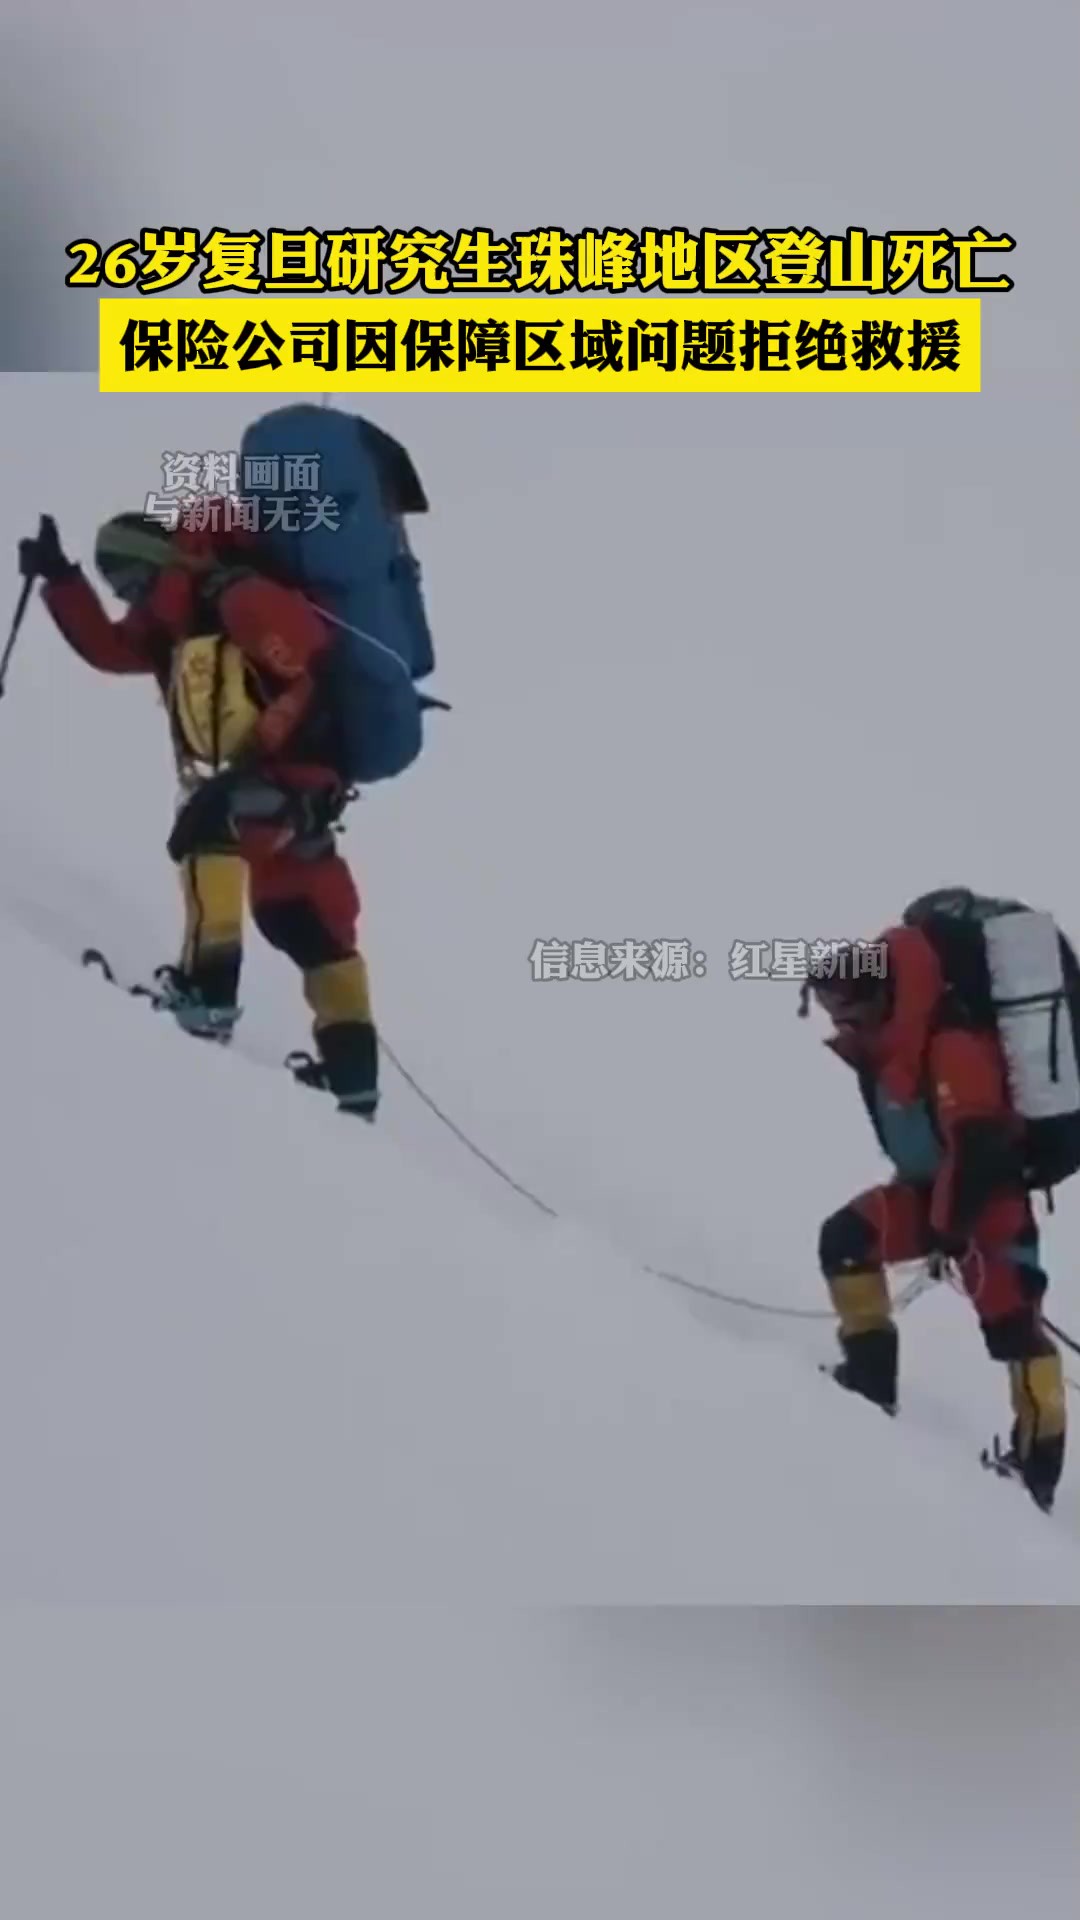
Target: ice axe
<point>20,609</point>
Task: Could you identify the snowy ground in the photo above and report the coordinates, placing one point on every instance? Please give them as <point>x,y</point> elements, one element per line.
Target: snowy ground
<point>407,1761</point>
<point>250,1353</point>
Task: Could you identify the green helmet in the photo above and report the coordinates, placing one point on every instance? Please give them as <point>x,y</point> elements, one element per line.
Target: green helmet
<point>130,552</point>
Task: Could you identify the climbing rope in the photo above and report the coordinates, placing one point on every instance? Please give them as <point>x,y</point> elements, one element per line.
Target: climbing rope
<point>919,1285</point>
<point>459,1134</point>
<point>921,1282</point>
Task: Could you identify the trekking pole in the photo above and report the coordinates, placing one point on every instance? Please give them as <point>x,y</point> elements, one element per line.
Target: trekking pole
<point>1068,1341</point>
<point>24,596</point>
<point>951,1272</point>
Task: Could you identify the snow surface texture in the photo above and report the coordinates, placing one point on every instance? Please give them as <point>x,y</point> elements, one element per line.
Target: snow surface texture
<point>254,1351</point>
<point>413,1761</point>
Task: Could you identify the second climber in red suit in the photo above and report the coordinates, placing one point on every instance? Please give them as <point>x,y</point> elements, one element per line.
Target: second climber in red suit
<point>936,1092</point>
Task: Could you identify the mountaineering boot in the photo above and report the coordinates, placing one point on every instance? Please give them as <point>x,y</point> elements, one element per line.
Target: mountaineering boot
<point>309,1072</point>
<point>868,1336</point>
<point>348,1062</point>
<point>1037,1391</point>
<point>1007,1464</point>
<point>869,1367</point>
<point>202,992</point>
<point>176,993</point>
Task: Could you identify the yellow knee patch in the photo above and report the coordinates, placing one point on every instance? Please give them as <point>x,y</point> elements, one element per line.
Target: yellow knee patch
<point>213,887</point>
<point>861,1300</point>
<point>339,991</point>
<point>1037,1391</point>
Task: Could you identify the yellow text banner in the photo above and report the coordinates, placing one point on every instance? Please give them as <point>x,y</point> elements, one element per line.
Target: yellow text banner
<point>533,345</point>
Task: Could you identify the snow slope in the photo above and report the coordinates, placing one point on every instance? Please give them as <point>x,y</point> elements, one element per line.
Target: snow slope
<point>404,1761</point>
<point>252,1352</point>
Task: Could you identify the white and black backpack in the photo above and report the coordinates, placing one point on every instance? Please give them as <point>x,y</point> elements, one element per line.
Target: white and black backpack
<point>1011,970</point>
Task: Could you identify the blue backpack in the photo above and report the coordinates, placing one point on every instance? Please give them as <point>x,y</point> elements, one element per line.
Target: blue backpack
<point>358,568</point>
